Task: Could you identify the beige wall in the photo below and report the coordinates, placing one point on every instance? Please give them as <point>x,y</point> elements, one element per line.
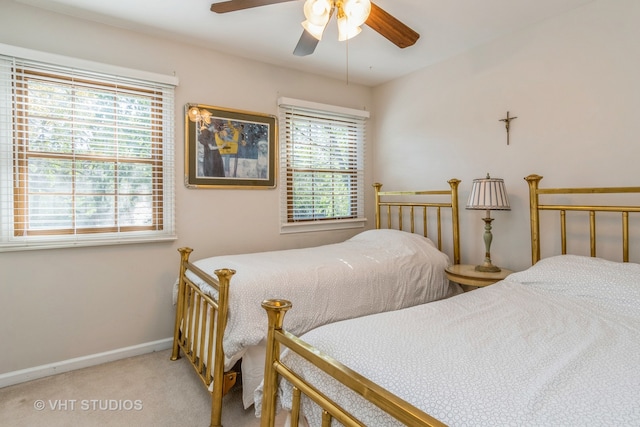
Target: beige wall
<point>573,83</point>
<point>61,304</point>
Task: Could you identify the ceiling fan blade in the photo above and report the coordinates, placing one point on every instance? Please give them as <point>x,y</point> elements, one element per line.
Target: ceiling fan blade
<point>233,5</point>
<point>388,26</point>
<point>306,45</point>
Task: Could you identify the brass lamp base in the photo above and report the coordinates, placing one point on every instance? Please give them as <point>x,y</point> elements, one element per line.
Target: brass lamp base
<point>487,268</point>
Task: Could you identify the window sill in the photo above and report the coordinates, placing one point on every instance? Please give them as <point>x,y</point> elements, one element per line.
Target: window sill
<point>303,227</point>
<point>58,244</point>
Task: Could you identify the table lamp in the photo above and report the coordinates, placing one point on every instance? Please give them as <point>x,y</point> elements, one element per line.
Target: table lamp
<point>488,194</point>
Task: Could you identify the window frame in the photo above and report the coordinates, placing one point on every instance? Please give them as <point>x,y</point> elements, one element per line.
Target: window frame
<point>14,151</point>
<point>355,119</point>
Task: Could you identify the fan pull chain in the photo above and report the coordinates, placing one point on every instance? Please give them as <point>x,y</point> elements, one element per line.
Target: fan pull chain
<point>347,51</point>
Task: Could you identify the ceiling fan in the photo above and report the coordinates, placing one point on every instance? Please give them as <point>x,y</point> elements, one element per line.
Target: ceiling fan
<point>349,13</point>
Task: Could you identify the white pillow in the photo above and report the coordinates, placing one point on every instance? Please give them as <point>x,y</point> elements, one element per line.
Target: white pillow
<point>588,277</point>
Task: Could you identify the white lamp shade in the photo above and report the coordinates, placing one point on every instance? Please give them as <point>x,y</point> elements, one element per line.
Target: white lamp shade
<point>356,11</point>
<point>346,31</point>
<point>488,194</point>
<point>318,12</point>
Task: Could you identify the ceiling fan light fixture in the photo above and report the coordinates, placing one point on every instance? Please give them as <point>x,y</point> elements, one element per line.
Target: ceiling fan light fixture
<point>351,15</point>
<point>346,30</point>
<point>318,12</point>
<point>356,11</point>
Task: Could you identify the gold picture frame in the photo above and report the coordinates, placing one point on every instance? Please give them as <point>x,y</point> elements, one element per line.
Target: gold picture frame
<point>227,148</point>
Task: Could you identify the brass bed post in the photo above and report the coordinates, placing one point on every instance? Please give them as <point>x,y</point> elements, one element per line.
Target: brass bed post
<point>184,260</point>
<point>276,309</point>
<point>219,378</point>
<point>533,181</point>
<point>454,183</point>
<point>377,187</point>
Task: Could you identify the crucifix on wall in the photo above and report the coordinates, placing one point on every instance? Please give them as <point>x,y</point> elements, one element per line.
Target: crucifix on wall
<point>506,121</point>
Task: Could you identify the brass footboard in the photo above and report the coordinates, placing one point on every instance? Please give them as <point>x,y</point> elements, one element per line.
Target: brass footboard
<point>400,409</point>
<point>199,328</point>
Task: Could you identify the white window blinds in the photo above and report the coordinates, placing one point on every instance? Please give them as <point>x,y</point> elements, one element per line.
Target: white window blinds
<point>85,157</point>
<point>321,166</point>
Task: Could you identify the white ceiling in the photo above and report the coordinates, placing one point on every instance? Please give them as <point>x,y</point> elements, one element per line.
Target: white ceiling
<point>270,33</point>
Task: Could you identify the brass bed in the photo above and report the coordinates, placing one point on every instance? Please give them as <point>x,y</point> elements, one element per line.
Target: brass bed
<point>299,353</point>
<point>201,318</point>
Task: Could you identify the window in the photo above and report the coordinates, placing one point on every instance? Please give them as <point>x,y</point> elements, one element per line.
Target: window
<point>86,157</point>
<point>321,166</point>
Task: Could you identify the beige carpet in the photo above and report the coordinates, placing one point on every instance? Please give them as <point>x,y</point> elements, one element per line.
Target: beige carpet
<point>147,390</point>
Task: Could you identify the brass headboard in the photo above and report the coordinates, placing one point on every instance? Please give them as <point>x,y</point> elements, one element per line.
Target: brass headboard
<point>422,207</point>
<point>536,207</point>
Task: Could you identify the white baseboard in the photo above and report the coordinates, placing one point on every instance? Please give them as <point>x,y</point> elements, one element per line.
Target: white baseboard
<point>24,375</point>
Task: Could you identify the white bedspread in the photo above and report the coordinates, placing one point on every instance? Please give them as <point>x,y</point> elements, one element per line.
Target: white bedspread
<point>374,271</point>
<point>556,345</point>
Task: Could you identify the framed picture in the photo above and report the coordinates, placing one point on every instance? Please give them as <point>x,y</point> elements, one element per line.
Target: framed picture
<point>229,148</point>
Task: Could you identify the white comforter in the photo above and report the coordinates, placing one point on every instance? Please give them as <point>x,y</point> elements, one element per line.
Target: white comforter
<point>555,345</point>
<point>374,271</point>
